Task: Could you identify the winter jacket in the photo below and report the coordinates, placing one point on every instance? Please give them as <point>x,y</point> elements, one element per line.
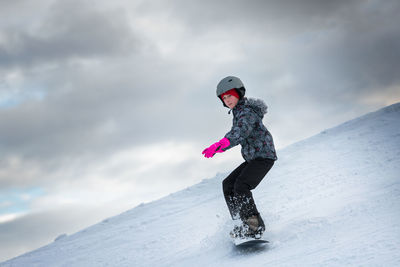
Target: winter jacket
<point>249,131</point>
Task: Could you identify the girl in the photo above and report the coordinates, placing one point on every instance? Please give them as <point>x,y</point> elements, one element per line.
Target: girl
<point>258,152</point>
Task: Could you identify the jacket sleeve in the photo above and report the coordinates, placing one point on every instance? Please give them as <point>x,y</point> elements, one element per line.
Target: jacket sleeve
<point>242,128</point>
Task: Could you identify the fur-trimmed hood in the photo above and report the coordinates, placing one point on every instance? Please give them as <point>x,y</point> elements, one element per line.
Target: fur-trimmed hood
<point>257,105</point>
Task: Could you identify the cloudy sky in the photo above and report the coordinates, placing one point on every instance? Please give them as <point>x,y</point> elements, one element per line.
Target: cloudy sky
<point>107,104</point>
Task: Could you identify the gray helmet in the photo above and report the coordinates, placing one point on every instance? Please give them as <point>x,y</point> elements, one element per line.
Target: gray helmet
<point>229,83</point>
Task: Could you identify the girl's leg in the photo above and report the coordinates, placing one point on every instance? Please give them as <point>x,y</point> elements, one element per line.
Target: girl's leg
<point>228,188</point>
<point>250,176</point>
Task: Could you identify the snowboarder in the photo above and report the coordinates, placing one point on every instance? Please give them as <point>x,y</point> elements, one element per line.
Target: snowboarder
<point>258,152</point>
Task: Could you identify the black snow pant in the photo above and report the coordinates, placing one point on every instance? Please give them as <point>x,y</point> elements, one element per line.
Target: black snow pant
<point>238,184</point>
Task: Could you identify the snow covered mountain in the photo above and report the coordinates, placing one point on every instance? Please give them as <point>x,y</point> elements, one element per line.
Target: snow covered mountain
<point>330,200</point>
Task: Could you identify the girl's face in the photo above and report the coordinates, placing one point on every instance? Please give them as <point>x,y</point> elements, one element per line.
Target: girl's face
<point>230,101</point>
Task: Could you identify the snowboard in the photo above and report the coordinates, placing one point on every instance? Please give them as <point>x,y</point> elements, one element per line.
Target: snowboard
<point>248,242</point>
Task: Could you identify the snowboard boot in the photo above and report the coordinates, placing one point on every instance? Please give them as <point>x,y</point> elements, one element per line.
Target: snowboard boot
<point>252,227</point>
<point>256,226</point>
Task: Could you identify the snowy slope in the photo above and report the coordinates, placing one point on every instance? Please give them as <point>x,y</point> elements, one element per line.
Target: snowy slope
<point>330,200</point>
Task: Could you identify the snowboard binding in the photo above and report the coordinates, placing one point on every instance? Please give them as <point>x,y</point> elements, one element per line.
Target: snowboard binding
<point>249,229</point>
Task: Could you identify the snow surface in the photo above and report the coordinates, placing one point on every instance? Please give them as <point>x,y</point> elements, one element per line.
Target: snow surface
<point>330,200</point>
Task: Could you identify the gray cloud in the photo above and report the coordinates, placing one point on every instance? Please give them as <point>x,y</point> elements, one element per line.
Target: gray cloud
<point>350,40</point>
<point>104,92</point>
<point>69,30</point>
<point>327,51</point>
<point>282,15</point>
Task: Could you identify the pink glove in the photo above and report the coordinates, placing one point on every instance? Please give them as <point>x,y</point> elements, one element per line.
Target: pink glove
<point>216,148</point>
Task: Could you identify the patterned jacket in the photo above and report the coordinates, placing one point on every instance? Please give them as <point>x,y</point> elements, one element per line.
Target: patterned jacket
<point>249,131</point>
